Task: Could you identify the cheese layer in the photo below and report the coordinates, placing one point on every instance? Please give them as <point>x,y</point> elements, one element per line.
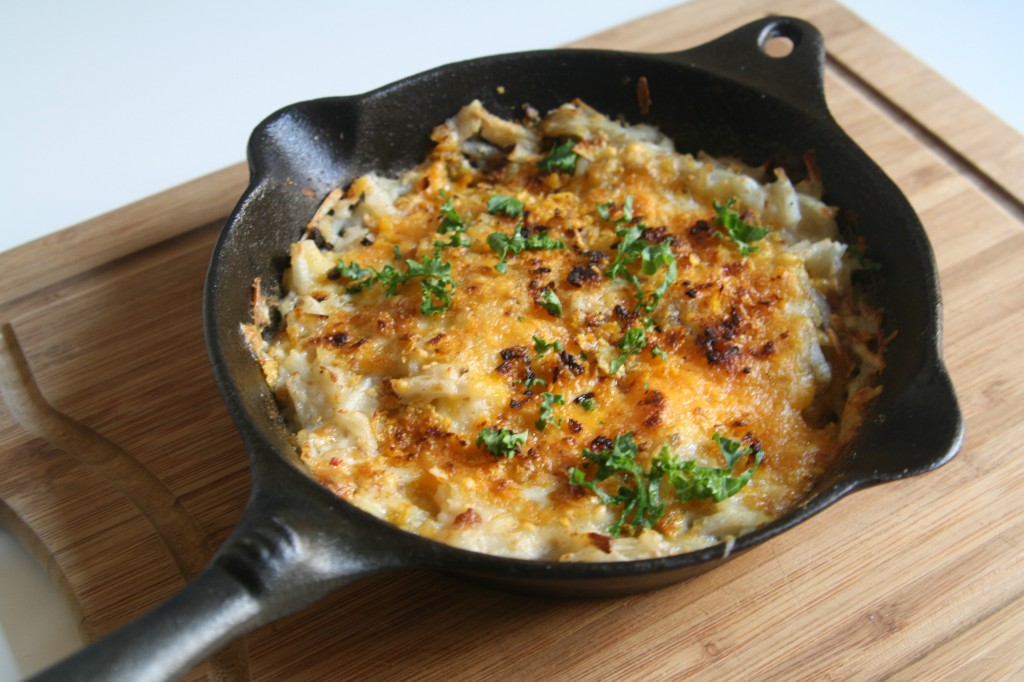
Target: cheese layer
<point>390,375</point>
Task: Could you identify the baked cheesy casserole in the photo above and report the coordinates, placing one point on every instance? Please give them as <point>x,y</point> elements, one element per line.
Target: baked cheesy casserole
<point>560,339</point>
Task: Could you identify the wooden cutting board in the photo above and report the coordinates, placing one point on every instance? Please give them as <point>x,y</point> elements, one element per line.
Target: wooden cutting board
<point>122,470</point>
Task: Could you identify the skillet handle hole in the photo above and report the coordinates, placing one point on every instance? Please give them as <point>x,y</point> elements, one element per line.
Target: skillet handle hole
<point>779,40</point>
<point>778,47</point>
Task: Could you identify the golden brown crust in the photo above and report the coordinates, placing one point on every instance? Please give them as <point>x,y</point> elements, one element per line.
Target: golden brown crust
<point>391,401</point>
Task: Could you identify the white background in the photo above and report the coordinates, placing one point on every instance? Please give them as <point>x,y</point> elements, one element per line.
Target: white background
<point>107,102</point>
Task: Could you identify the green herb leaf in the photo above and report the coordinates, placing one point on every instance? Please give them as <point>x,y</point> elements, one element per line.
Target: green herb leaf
<point>504,205</point>
<point>362,277</point>
<point>632,247</point>
<point>434,274</point>
<point>501,442</point>
<point>736,229</point>
<point>732,450</point>
<point>562,158</point>
<point>429,266</point>
<point>457,239</point>
<point>628,250</point>
<point>503,245</point>
<point>436,282</point>
<point>540,241</point>
<point>632,343</point>
<point>547,409</point>
<point>648,302</point>
<point>694,482</point>
<point>605,211</point>
<point>654,256</point>
<point>450,220</point>
<point>586,401</point>
<point>452,223</point>
<point>353,270</point>
<point>390,278</point>
<point>638,492</point>
<point>542,346</point>
<point>437,296</point>
<point>549,301</point>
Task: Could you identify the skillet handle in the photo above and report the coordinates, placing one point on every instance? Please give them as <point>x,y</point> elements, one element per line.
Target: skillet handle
<point>743,55</point>
<point>283,556</point>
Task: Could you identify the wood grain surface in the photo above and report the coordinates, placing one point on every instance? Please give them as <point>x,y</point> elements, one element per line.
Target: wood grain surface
<point>916,579</point>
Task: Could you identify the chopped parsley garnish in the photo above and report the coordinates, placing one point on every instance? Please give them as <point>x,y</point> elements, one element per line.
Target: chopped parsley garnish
<point>633,343</point>
<point>433,272</point>
<point>437,296</point>
<point>658,353</point>
<point>542,346</point>
<point>452,223</point>
<point>547,409</point>
<point>503,245</point>
<point>530,381</point>
<point>362,277</point>
<point>639,491</point>
<point>732,450</point>
<point>540,241</point>
<point>505,205</point>
<point>736,229</point>
<point>391,277</point>
<point>653,257</point>
<point>549,301</point>
<point>694,482</point>
<point>501,442</point>
<point>586,401</point>
<point>605,211</point>
<point>627,251</point>
<point>436,282</point>
<point>632,247</point>
<point>561,158</point>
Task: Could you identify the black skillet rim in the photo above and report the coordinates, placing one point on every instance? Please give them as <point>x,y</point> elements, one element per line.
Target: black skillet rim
<point>431,553</point>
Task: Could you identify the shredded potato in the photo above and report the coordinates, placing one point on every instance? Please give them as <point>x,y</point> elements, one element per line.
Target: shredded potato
<point>463,348</point>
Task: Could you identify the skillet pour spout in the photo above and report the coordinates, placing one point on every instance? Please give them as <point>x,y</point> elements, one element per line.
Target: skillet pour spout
<point>297,541</point>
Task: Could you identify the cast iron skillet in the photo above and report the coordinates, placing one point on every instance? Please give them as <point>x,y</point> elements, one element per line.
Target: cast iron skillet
<point>298,542</point>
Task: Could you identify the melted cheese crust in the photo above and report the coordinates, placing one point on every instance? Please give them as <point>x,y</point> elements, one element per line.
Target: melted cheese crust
<point>773,349</point>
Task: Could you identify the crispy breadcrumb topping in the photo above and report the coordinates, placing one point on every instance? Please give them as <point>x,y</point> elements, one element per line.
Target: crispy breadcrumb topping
<point>561,339</point>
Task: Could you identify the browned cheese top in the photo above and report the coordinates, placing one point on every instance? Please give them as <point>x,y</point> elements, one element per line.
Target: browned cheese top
<point>622,314</point>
